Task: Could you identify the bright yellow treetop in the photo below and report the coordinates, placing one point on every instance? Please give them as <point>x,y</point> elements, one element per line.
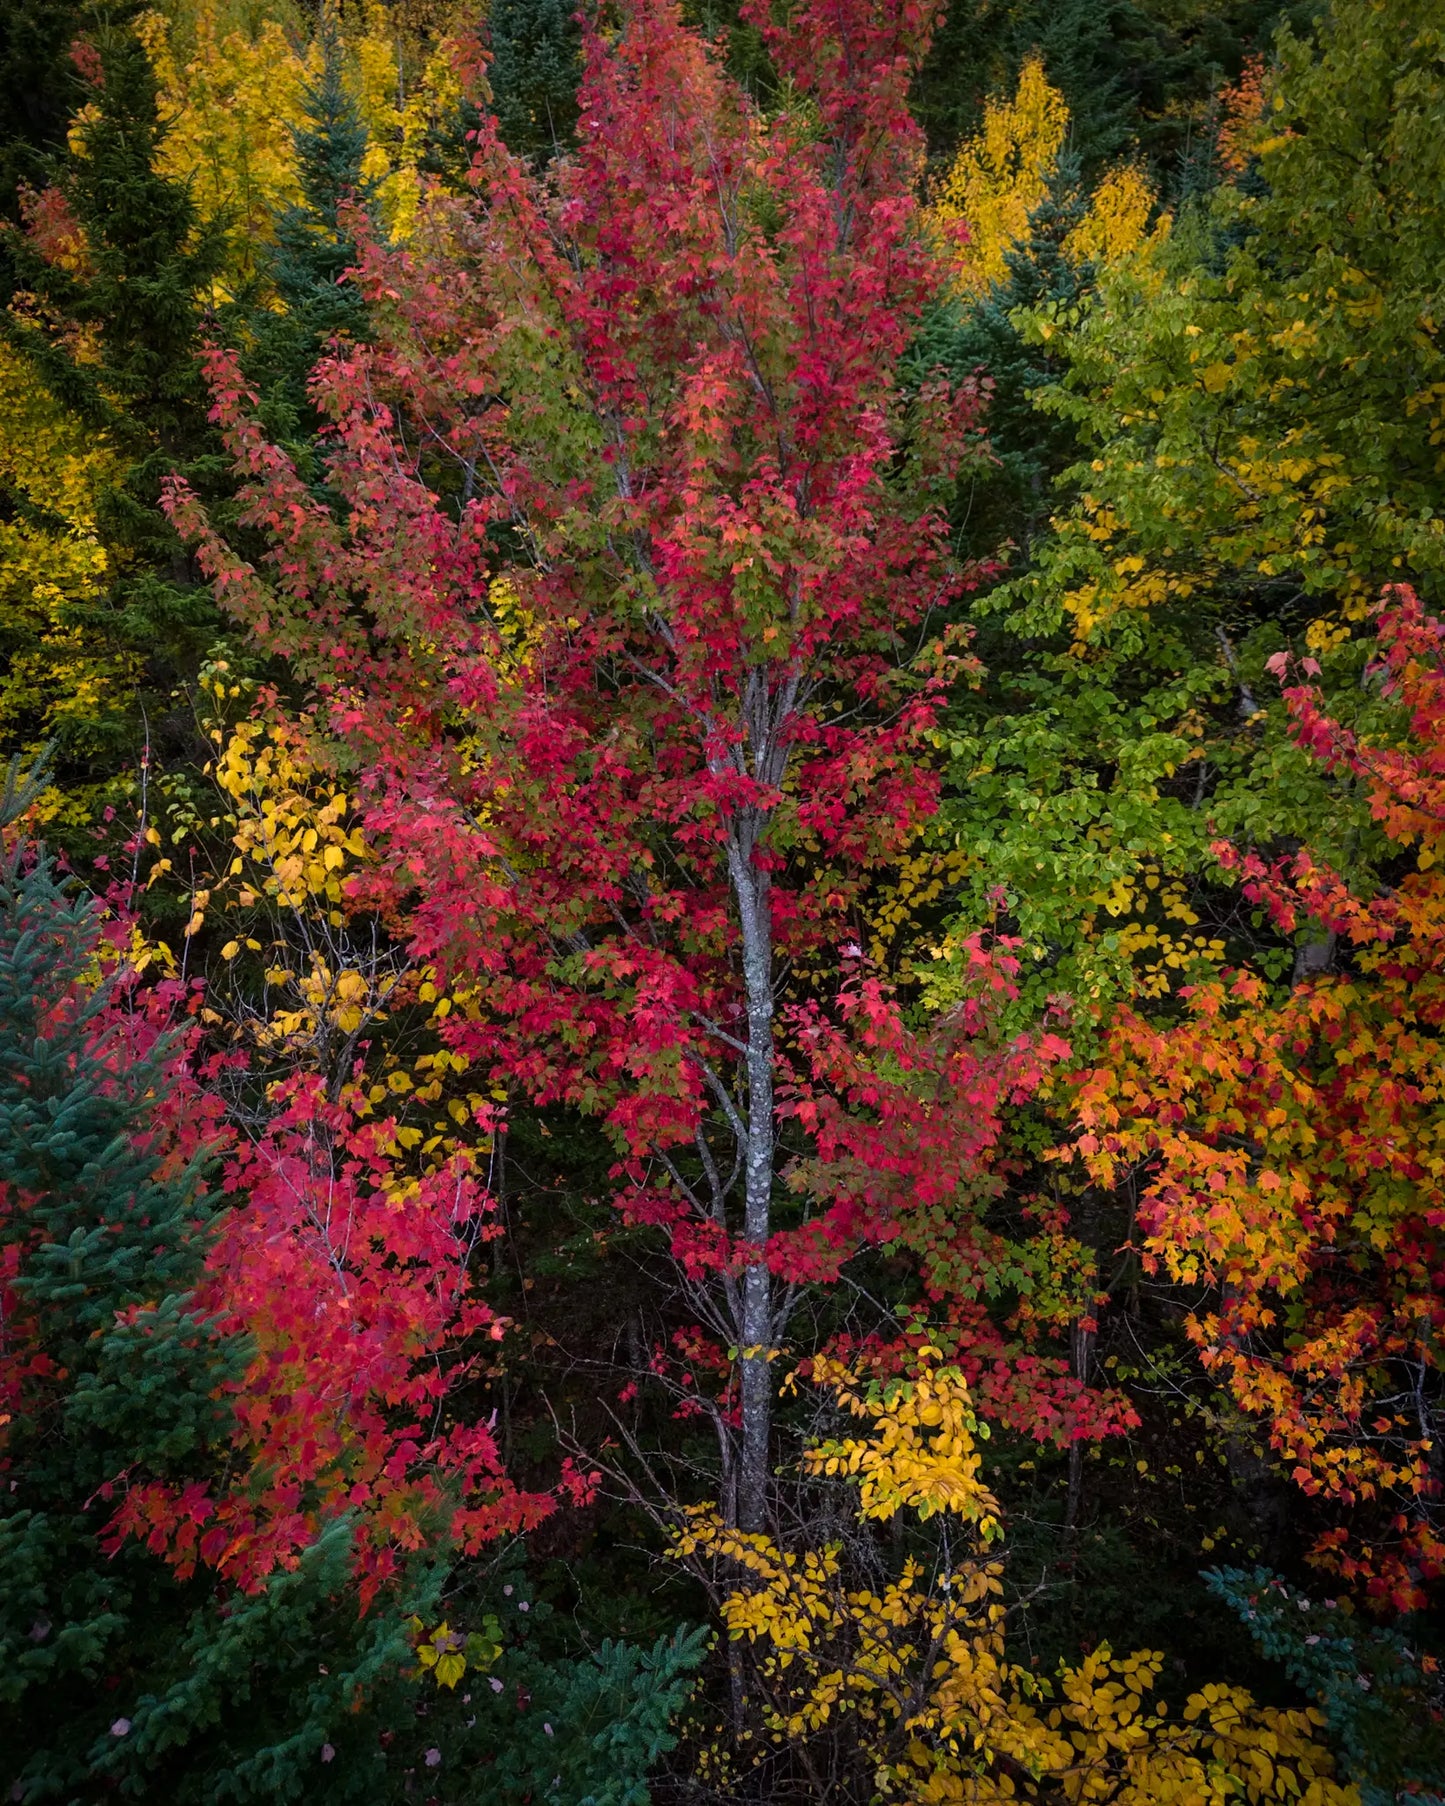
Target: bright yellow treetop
<point>1000,176</point>
<point>53,568</point>
<point>232,98</point>
<point>234,95</point>
<point>1118,218</point>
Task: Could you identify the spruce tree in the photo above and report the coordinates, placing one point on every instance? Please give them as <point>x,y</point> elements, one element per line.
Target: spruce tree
<point>536,65</point>
<point>1375,1685</point>
<point>314,248</point>
<point>117,340</point>
<point>38,90</point>
<point>596,1725</point>
<point>1011,501</point>
<point>1137,74</point>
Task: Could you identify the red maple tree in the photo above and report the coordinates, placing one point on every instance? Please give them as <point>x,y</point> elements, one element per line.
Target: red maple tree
<point>631,608</point>
<point>353,1279</point>
<point>348,1280</point>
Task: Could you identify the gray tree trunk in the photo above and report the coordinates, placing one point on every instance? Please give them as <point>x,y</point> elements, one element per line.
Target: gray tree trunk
<point>752,889</point>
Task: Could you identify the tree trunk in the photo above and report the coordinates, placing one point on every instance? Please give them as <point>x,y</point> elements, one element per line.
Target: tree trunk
<point>1083,1354</point>
<point>1314,958</point>
<point>753,891</point>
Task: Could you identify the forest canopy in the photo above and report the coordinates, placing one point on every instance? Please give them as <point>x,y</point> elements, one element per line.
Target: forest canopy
<point>722,901</point>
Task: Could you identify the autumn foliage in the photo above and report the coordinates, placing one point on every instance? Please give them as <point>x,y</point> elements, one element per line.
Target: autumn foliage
<point>1289,1151</point>
<point>619,786</point>
<point>918,1668</point>
<point>720,903</point>
<point>345,1281</point>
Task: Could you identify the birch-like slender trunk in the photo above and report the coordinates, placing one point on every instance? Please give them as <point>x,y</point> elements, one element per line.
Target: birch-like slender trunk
<point>762,754</point>
<point>752,889</point>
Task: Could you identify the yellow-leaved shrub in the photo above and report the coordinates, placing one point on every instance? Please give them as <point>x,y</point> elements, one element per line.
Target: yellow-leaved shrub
<point>913,1668</point>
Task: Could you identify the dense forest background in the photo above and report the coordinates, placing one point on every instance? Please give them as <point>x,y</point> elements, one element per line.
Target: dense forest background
<point>721,954</point>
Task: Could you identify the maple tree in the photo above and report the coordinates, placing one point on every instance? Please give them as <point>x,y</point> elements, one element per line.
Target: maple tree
<point>123,1358</point>
<point>751,639</point>
<point>632,788</point>
<point>350,1267</point>
<point>224,1363</point>
<point>1290,1149</point>
<point>339,1285</point>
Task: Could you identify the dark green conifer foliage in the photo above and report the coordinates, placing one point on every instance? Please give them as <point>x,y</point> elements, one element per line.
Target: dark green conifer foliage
<point>117,1680</point>
<point>1011,501</point>
<point>594,1726</point>
<point>119,343</point>
<point>150,275</point>
<point>1378,1687</point>
<point>38,89</point>
<point>536,64</point>
<point>314,249</point>
<point>1137,74</point>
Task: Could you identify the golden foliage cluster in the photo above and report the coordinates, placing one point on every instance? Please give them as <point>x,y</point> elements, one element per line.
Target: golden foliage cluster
<point>1001,174</point>
<point>918,1665</point>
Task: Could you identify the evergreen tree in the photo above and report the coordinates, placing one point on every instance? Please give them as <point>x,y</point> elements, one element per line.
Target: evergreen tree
<point>1377,1687</point>
<point>314,248</point>
<point>548,1724</point>
<point>1137,74</point>
<point>595,1728</point>
<point>536,64</point>
<point>1011,502</point>
<point>114,336</point>
<point>117,1676</point>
